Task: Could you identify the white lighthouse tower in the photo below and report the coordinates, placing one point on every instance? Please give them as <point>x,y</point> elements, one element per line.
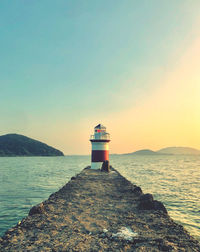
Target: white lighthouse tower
<point>100,147</point>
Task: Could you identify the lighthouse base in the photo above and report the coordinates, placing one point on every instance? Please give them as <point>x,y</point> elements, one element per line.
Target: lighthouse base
<point>96,165</point>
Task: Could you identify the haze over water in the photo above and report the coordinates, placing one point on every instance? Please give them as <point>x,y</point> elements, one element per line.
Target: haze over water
<point>174,180</point>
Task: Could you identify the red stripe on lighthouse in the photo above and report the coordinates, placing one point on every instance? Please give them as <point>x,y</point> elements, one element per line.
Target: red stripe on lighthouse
<point>100,155</point>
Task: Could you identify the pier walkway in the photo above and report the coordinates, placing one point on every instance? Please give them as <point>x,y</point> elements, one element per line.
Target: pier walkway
<point>98,211</point>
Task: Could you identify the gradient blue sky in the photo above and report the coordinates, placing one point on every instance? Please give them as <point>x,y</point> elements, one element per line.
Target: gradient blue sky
<point>68,65</point>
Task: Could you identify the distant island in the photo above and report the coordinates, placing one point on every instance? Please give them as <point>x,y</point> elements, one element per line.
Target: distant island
<point>179,151</point>
<point>143,152</point>
<point>19,145</point>
<point>167,151</point>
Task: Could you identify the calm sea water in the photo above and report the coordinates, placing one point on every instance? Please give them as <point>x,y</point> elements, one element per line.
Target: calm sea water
<point>174,180</point>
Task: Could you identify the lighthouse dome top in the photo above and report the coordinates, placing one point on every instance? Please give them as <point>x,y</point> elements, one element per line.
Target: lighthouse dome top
<point>100,126</point>
<point>100,134</point>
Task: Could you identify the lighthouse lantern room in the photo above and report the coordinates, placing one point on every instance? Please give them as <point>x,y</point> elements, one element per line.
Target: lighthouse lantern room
<point>100,147</point>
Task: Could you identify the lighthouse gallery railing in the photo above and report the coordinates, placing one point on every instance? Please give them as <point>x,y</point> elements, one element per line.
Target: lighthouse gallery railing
<point>100,136</point>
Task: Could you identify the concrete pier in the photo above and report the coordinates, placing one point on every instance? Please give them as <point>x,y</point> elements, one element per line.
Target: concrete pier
<point>98,211</point>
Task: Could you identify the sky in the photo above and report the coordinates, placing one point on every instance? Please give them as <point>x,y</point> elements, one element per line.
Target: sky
<point>134,66</point>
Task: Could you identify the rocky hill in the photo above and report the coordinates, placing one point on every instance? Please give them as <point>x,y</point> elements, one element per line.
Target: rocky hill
<point>143,152</point>
<point>167,151</point>
<point>19,145</point>
<point>179,151</point>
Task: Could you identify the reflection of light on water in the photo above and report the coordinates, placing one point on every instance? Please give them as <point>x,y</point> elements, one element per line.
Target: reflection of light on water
<point>190,224</point>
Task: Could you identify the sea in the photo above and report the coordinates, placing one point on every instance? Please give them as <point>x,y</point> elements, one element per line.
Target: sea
<point>174,180</point>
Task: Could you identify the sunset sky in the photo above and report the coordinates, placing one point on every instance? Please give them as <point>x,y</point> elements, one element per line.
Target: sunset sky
<point>134,66</point>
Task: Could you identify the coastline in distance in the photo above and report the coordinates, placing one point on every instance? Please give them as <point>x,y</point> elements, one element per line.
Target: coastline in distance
<point>167,151</point>
<point>19,145</point>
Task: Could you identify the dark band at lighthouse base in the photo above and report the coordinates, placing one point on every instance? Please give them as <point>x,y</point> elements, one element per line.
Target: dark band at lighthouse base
<point>100,155</point>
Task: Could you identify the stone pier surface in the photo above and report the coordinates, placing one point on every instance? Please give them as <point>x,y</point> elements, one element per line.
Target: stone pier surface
<point>98,211</point>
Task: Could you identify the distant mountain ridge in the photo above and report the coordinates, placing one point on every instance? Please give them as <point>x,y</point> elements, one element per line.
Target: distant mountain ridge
<point>168,151</point>
<point>179,151</point>
<point>143,152</point>
<point>19,145</point>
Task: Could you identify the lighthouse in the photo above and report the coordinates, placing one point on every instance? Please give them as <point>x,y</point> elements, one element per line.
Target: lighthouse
<point>100,147</point>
